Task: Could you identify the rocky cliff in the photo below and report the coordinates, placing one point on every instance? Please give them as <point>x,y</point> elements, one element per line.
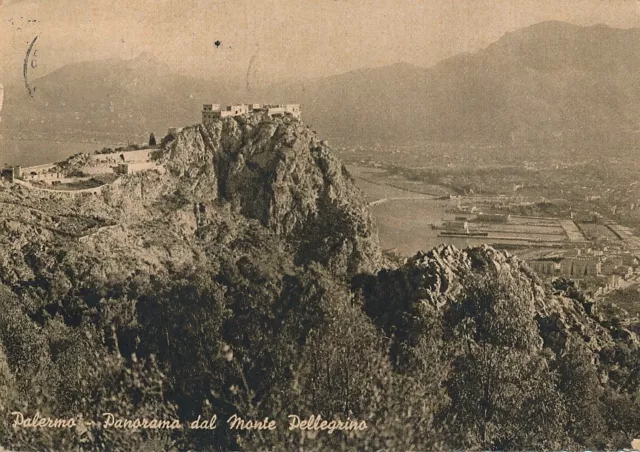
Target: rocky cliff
<point>276,171</point>
<point>436,284</point>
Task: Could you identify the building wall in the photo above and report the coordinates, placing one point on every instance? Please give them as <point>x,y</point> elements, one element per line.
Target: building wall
<point>209,116</point>
<point>542,267</point>
<point>100,169</point>
<point>45,177</point>
<point>580,267</point>
<point>240,109</point>
<point>293,109</point>
<point>212,112</point>
<point>143,166</point>
<point>458,225</point>
<point>572,267</point>
<point>141,155</point>
<point>275,111</point>
<point>40,172</point>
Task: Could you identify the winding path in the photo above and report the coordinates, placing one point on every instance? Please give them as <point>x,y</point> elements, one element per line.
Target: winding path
<point>94,190</point>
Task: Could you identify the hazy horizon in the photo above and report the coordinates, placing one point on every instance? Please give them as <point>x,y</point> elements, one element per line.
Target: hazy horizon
<point>273,40</point>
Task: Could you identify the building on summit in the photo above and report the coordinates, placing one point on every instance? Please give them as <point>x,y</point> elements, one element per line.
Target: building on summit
<point>213,112</point>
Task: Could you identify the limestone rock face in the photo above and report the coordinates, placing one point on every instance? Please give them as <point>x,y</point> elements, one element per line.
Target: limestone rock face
<point>277,172</point>
<point>430,284</point>
<point>244,187</point>
<point>437,275</point>
<point>192,160</point>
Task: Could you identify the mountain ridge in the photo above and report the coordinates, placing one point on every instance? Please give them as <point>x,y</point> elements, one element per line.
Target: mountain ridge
<point>550,83</point>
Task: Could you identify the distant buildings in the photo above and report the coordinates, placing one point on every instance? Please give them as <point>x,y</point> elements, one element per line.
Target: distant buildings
<point>86,166</point>
<point>456,225</point>
<point>545,266</point>
<point>213,112</point>
<point>126,162</point>
<point>582,265</point>
<point>44,173</point>
<point>576,267</point>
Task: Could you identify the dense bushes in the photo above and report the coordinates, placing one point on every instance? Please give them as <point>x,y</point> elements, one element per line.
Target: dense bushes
<point>252,338</point>
<point>260,337</point>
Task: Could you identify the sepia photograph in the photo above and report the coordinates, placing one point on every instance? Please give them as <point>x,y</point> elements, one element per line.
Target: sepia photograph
<point>319,225</point>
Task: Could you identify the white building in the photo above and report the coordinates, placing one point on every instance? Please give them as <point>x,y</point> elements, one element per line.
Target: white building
<point>213,112</point>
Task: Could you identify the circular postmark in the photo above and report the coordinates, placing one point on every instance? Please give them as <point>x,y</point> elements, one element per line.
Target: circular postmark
<point>30,62</point>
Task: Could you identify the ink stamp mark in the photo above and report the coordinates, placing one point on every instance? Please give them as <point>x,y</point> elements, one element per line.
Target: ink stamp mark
<point>30,61</point>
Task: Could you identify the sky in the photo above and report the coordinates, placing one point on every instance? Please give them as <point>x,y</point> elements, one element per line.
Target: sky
<point>272,40</point>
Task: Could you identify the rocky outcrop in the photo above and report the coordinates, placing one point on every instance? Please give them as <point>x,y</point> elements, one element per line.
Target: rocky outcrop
<point>238,188</point>
<point>276,171</point>
<point>432,284</point>
<point>437,276</point>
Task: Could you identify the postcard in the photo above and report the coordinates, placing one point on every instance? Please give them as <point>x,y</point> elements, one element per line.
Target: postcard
<point>314,225</point>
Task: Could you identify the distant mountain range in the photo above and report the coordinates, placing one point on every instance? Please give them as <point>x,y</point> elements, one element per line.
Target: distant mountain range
<point>551,82</point>
<point>108,98</point>
<point>548,82</point>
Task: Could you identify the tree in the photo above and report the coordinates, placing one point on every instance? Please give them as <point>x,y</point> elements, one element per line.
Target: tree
<point>152,140</point>
<point>337,366</point>
<point>502,393</point>
<point>181,323</point>
<point>579,386</point>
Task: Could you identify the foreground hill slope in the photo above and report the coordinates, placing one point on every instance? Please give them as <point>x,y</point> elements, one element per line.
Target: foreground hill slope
<point>247,280</point>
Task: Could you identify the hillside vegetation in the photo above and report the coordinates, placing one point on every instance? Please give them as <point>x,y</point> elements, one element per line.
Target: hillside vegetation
<point>248,280</point>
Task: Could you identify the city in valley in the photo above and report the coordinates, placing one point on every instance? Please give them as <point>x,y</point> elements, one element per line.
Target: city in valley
<point>556,213</point>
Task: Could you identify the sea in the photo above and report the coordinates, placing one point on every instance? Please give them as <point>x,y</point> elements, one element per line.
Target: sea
<point>37,152</point>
